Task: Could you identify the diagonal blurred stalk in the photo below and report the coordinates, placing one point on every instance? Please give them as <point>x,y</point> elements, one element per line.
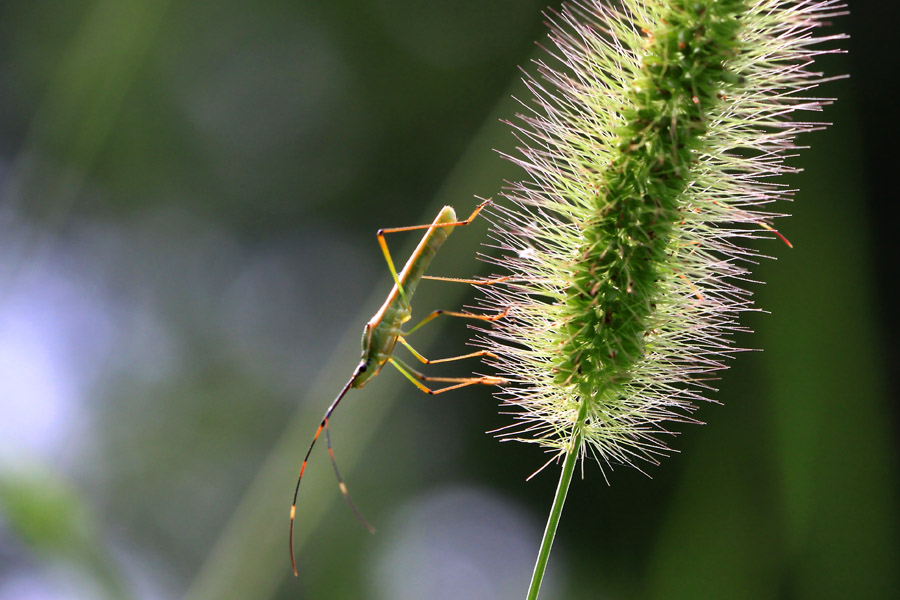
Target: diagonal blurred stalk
<point>250,559</point>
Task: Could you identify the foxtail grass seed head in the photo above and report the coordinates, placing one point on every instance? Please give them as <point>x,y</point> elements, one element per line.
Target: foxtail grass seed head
<point>650,149</point>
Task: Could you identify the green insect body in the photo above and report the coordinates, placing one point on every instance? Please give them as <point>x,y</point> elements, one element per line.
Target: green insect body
<point>384,330</point>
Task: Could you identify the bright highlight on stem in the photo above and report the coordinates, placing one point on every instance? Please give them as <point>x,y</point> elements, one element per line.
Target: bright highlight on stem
<point>650,150</point>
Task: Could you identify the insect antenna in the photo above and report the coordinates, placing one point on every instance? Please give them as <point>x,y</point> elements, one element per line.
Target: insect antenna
<point>343,486</point>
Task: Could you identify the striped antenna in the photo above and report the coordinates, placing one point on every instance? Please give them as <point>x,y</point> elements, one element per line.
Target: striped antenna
<point>324,425</point>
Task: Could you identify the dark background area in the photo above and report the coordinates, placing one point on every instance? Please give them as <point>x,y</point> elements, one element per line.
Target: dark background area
<point>189,194</point>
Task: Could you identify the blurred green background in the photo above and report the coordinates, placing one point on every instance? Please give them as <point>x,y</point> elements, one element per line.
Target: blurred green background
<point>189,194</point>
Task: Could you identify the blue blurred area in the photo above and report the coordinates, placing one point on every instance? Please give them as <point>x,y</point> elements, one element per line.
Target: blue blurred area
<point>189,193</point>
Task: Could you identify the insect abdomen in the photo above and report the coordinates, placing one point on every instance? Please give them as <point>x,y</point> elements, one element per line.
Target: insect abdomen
<point>432,241</point>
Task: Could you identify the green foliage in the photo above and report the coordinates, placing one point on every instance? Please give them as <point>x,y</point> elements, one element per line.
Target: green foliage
<point>54,521</point>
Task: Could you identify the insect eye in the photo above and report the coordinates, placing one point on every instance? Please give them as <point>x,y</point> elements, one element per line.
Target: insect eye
<point>363,366</point>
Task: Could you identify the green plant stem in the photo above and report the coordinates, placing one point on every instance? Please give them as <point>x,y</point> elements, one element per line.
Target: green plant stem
<point>559,500</point>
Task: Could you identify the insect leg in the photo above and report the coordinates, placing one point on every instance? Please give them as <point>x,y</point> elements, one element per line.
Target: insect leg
<point>417,378</point>
<point>387,255</point>
<point>469,281</point>
<point>462,315</point>
<point>426,361</point>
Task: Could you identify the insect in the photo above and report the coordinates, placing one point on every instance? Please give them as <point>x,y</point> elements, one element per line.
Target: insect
<point>384,330</point>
